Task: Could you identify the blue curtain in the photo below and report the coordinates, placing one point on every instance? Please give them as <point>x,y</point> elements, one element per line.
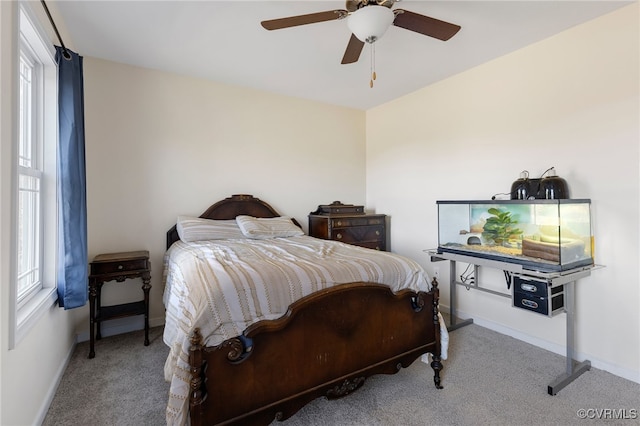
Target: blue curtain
<point>72,199</point>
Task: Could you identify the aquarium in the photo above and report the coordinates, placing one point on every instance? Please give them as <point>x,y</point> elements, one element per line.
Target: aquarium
<point>541,235</point>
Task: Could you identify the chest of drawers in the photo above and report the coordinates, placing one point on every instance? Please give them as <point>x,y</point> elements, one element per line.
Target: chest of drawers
<point>364,230</point>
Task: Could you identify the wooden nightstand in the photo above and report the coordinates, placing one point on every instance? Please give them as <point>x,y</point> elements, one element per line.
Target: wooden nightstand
<point>117,267</point>
<point>349,224</point>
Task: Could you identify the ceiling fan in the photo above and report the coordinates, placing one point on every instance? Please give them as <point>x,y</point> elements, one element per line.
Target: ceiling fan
<point>368,20</point>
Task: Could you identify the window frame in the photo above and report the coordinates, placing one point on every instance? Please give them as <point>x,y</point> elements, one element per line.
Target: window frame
<point>34,169</point>
<point>31,39</point>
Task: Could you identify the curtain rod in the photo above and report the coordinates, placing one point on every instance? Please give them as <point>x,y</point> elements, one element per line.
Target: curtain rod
<point>66,53</point>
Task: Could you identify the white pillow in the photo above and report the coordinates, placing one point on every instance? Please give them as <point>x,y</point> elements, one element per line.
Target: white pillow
<point>264,228</point>
<point>199,229</point>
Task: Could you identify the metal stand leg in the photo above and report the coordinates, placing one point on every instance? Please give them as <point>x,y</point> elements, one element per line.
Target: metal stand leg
<point>574,369</point>
<point>455,324</point>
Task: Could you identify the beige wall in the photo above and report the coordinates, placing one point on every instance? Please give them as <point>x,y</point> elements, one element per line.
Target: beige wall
<point>570,101</point>
<point>159,145</point>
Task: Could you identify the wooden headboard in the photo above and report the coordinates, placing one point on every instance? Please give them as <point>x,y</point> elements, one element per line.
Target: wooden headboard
<point>229,208</point>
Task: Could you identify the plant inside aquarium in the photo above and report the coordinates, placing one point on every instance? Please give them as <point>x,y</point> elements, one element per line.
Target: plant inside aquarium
<point>499,227</point>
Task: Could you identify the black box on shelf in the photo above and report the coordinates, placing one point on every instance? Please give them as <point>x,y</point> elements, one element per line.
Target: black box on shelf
<point>537,295</point>
<point>337,208</point>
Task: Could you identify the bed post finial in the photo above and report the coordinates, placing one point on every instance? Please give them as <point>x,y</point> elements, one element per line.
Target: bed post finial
<point>436,291</point>
<point>196,367</point>
<point>436,363</point>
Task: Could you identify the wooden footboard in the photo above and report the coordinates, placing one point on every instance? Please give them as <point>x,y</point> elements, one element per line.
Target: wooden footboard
<point>326,345</point>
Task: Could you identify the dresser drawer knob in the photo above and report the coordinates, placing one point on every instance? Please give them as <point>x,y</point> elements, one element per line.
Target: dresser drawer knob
<point>339,236</point>
<point>377,232</point>
<point>339,223</point>
<point>120,267</point>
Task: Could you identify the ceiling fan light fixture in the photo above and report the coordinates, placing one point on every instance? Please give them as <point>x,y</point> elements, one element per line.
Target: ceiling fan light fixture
<point>370,23</point>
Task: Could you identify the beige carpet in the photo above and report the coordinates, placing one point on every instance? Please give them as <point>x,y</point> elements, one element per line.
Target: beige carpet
<point>489,379</point>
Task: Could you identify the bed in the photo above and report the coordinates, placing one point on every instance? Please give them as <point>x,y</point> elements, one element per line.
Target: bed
<point>261,322</point>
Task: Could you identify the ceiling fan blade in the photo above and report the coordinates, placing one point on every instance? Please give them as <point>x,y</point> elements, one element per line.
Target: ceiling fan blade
<point>311,18</point>
<point>425,25</point>
<point>354,48</point>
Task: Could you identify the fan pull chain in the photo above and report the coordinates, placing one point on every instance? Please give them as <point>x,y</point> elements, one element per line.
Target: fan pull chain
<point>373,64</point>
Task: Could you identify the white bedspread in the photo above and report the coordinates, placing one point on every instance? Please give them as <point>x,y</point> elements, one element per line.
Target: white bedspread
<point>223,286</point>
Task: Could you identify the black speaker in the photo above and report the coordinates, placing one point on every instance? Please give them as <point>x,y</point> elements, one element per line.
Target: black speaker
<point>550,187</point>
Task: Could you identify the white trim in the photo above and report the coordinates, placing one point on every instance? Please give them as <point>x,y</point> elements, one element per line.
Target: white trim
<point>600,364</point>
<point>119,326</point>
<point>46,48</point>
<point>51,392</point>
<point>31,311</point>
<point>22,318</point>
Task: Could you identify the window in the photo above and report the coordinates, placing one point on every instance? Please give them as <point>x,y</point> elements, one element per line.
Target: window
<point>29,217</point>
<point>33,288</point>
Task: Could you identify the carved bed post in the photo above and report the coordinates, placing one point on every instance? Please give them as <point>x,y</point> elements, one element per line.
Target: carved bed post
<point>435,363</point>
<point>197,395</point>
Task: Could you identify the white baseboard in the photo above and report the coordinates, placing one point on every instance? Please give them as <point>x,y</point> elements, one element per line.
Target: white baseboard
<point>600,364</point>
<point>120,326</point>
<point>109,328</point>
<point>51,393</point>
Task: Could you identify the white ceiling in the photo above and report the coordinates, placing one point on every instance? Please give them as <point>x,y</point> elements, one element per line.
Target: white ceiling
<point>223,41</point>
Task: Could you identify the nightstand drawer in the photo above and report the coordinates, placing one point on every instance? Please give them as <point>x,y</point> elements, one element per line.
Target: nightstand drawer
<point>120,262</point>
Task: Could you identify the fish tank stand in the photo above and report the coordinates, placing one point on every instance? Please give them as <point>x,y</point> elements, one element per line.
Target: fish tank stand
<point>531,283</point>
